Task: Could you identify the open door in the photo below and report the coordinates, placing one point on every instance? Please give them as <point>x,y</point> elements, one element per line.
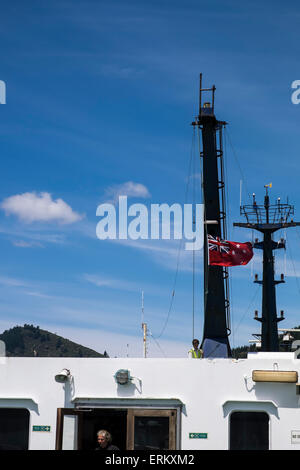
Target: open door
<point>68,431</point>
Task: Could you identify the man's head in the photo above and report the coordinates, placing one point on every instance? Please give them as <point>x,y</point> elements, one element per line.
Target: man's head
<point>195,343</point>
<point>103,438</point>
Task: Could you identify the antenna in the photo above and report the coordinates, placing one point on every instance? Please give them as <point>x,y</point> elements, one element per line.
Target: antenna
<point>142,307</point>
<point>267,219</point>
<point>144,327</point>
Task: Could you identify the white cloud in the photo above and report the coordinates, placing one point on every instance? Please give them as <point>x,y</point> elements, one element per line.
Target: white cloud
<point>111,283</point>
<point>24,244</point>
<point>39,294</point>
<point>12,282</point>
<point>168,253</point>
<point>33,207</point>
<point>129,189</point>
<point>34,238</point>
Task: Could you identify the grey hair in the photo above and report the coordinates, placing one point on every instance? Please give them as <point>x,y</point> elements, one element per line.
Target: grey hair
<point>106,434</point>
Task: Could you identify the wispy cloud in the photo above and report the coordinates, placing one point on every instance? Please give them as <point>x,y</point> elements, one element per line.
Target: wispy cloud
<point>24,244</point>
<point>119,71</point>
<point>12,282</point>
<point>168,253</point>
<point>129,189</point>
<point>101,281</point>
<point>33,207</point>
<point>39,294</point>
<point>30,236</point>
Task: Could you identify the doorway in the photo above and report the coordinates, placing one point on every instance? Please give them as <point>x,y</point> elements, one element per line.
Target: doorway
<point>14,428</point>
<point>249,430</point>
<point>131,428</point>
<point>113,421</point>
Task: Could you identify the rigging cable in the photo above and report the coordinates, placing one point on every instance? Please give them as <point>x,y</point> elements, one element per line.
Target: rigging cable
<point>290,253</point>
<point>225,199</point>
<point>236,159</point>
<point>157,343</point>
<point>180,244</point>
<point>204,213</point>
<point>193,251</point>
<point>246,311</point>
<point>227,140</point>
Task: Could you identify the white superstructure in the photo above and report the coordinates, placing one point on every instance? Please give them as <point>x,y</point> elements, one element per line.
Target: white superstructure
<point>191,404</point>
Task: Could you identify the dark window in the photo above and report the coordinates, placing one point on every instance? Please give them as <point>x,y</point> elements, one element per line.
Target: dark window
<point>14,429</point>
<point>151,432</point>
<point>249,430</point>
<point>151,429</point>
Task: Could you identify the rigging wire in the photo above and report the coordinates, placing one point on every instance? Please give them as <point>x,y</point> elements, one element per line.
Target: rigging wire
<point>284,237</point>
<point>200,152</point>
<point>180,243</point>
<point>196,196</point>
<point>157,343</point>
<point>193,251</point>
<point>228,215</point>
<point>247,310</point>
<point>236,159</point>
<point>291,258</point>
<point>297,231</point>
<point>225,199</point>
<point>228,140</point>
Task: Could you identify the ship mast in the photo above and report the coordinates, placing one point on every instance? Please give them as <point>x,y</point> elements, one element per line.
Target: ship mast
<point>267,219</point>
<point>216,305</point>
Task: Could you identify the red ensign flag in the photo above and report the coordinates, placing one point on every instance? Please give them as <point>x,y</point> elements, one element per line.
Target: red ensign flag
<point>226,253</point>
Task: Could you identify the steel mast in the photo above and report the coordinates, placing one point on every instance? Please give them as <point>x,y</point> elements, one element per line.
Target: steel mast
<point>267,219</point>
<point>216,305</point>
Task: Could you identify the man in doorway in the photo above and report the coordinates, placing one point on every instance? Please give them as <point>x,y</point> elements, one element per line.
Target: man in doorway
<point>195,352</point>
<point>104,440</point>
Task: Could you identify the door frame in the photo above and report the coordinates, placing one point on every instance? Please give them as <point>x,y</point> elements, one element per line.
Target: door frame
<point>61,413</point>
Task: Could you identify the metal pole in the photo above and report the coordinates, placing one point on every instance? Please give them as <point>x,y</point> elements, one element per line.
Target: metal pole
<point>144,327</point>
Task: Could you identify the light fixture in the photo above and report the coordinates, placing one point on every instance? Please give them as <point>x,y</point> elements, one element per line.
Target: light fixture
<point>122,376</point>
<point>63,376</point>
<point>283,376</point>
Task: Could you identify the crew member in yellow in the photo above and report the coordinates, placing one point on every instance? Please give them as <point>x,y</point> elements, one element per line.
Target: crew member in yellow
<point>195,353</point>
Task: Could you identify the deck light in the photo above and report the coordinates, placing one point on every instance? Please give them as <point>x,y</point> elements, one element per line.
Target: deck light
<point>63,376</point>
<point>122,376</point>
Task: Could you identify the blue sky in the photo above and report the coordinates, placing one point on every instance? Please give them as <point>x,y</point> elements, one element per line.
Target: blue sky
<point>101,94</point>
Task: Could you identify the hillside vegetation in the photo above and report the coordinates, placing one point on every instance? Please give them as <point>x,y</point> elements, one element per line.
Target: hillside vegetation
<point>31,341</point>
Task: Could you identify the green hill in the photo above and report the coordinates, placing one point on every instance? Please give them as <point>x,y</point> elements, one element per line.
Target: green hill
<point>31,341</point>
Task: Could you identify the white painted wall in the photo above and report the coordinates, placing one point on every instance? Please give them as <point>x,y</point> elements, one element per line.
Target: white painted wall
<point>209,390</point>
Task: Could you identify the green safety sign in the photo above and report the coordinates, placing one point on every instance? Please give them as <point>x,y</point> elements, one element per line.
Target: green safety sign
<point>198,435</point>
<point>41,428</point>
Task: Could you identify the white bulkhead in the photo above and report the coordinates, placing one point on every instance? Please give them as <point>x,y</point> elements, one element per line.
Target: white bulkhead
<point>191,404</point>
